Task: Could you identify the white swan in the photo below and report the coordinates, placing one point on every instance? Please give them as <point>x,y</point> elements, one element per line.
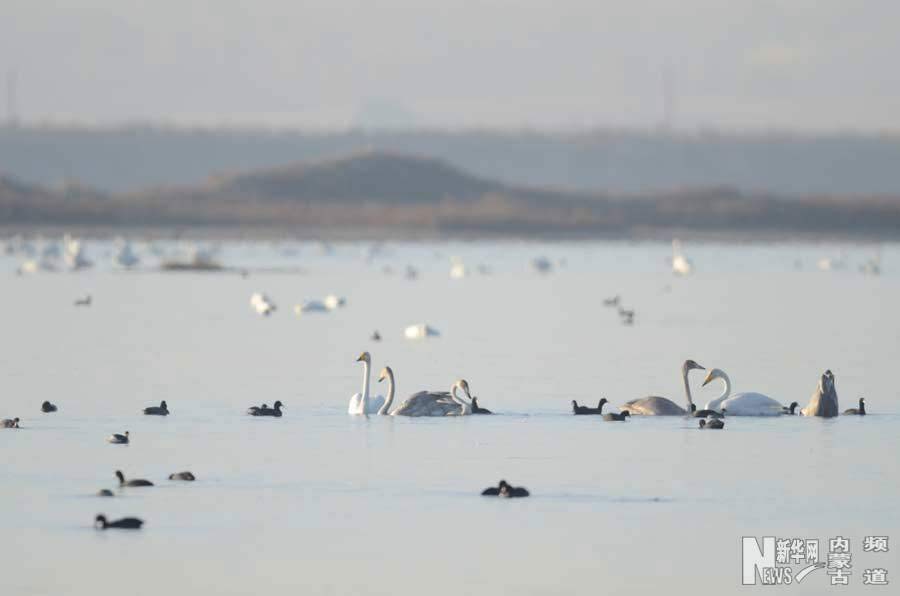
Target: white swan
<point>334,302</point>
<point>681,265</point>
<point>824,402</point>
<point>436,403</point>
<point>420,331</point>
<point>660,406</point>
<point>362,403</point>
<point>741,404</point>
<point>73,254</point>
<point>387,373</point>
<point>458,269</point>
<point>262,304</point>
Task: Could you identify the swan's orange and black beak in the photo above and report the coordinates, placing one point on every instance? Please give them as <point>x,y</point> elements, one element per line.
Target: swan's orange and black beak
<point>362,357</point>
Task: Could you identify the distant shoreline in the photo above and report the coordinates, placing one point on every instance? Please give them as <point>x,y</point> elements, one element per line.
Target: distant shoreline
<point>357,234</point>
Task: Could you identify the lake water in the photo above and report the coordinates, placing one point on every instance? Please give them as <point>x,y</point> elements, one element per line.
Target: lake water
<point>319,502</point>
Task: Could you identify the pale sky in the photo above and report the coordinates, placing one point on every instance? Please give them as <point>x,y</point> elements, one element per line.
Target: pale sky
<point>821,65</point>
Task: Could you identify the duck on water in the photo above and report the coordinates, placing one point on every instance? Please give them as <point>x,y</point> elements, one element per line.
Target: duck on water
<point>133,482</point>
<point>126,523</point>
<point>274,412</point>
<point>161,410</point>
<point>588,411</point>
<point>505,490</point>
<point>860,411</point>
<point>118,439</point>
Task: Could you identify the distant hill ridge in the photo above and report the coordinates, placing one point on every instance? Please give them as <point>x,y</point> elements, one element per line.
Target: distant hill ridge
<point>369,176</point>
<point>383,194</point>
<point>132,158</point>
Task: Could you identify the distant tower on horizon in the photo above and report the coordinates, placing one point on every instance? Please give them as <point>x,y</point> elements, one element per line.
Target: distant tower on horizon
<point>12,118</point>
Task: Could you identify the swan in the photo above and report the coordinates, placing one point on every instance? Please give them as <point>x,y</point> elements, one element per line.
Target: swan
<point>505,490</point>
<point>73,254</point>
<point>135,482</point>
<point>83,301</point>
<point>458,269</point>
<point>741,404</point>
<point>126,523</point>
<point>105,492</point>
<point>186,476</point>
<point>262,304</point>
<point>437,403</point>
<point>361,403</point>
<point>10,423</point>
<point>118,439</point>
<point>387,373</point>
<point>860,411</point>
<point>334,302</point>
<point>660,406</point>
<point>48,407</point>
<point>681,265</point>
<point>161,410</point>
<point>420,331</point>
<point>824,402</point>
<point>790,410</point>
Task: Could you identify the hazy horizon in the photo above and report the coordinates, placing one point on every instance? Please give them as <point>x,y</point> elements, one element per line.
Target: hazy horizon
<point>812,67</point>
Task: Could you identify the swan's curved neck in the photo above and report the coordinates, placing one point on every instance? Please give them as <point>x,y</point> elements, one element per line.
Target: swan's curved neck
<point>726,391</point>
<point>364,401</point>
<point>466,407</point>
<point>687,387</point>
<point>390,396</point>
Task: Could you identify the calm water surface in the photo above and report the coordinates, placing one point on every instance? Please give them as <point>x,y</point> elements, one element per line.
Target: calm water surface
<point>321,502</point>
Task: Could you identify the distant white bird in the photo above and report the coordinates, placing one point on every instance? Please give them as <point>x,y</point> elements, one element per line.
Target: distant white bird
<point>310,306</point>
<point>262,304</point>
<point>73,254</point>
<point>457,268</point>
<point>420,331</point>
<point>831,264</point>
<point>681,265</point>
<point>35,265</point>
<point>333,302</point>
<point>825,264</point>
